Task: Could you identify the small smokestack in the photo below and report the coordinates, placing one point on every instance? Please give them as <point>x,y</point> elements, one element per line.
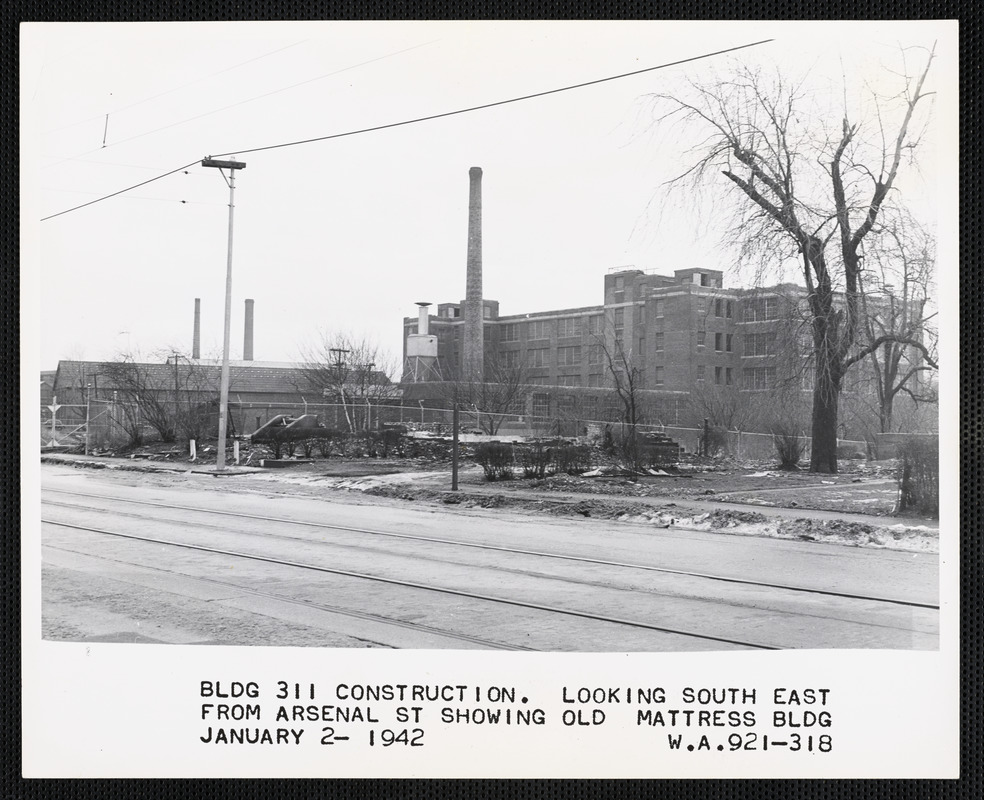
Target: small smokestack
<point>422,319</point>
<point>248,333</point>
<point>196,342</point>
<point>474,340</point>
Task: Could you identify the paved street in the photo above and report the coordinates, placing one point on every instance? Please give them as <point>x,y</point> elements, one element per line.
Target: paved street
<point>353,571</point>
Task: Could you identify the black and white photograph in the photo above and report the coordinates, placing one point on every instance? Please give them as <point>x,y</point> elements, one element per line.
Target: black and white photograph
<point>416,392</point>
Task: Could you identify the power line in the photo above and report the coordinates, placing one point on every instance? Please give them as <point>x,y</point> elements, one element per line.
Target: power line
<point>496,103</point>
<point>177,88</point>
<point>242,102</point>
<point>419,119</point>
<point>121,191</point>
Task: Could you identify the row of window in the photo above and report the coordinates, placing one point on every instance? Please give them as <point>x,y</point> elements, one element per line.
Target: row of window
<point>760,308</point>
<point>598,380</point>
<point>567,327</point>
<point>722,375</point>
<point>571,356</point>
<point>751,377</point>
<point>755,344</point>
<point>754,310</point>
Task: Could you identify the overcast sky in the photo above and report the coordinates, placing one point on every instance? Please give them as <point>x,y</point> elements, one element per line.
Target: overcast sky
<point>347,234</point>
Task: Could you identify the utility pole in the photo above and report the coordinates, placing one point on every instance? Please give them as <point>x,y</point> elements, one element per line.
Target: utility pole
<point>175,356</point>
<point>232,166</point>
<point>366,387</point>
<point>339,352</point>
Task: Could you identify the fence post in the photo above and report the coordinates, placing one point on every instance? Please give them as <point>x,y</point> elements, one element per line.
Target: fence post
<point>54,411</point>
<point>87,393</point>
<point>454,449</point>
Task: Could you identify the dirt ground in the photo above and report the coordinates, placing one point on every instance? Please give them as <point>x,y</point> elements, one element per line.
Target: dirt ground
<point>657,501</point>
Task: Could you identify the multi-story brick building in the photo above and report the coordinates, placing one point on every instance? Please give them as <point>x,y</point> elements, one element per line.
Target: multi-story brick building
<point>681,336</point>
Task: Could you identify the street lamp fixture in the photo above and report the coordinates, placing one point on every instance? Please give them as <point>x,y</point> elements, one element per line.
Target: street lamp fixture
<point>232,166</point>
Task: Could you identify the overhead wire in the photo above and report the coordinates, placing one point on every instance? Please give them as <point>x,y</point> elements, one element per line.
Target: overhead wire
<point>490,105</point>
<point>176,88</point>
<point>273,92</point>
<point>415,120</point>
<point>121,191</point>
<point>239,103</point>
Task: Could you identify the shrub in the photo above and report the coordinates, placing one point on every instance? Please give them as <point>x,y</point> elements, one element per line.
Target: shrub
<point>536,460</point>
<point>391,441</point>
<point>919,475</point>
<point>715,442</point>
<point>572,458</point>
<point>608,441</point>
<point>320,438</point>
<point>324,440</point>
<point>496,460</point>
<point>789,445</point>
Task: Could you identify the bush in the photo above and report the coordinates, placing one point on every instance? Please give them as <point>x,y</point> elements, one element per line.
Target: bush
<point>536,460</point>
<point>496,460</point>
<point>919,475</point>
<point>324,441</point>
<point>572,458</point>
<point>320,438</point>
<point>789,445</point>
<point>715,442</point>
<point>391,441</point>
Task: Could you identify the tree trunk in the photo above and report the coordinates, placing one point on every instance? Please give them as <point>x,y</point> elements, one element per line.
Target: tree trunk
<point>885,413</point>
<point>823,455</point>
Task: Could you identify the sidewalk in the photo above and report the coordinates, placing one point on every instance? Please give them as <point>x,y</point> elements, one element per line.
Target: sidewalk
<point>145,464</point>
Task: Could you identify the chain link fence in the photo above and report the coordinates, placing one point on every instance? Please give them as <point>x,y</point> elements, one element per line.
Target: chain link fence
<point>106,424</point>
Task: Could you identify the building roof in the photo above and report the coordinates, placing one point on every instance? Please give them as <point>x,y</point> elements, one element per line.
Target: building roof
<point>243,379</point>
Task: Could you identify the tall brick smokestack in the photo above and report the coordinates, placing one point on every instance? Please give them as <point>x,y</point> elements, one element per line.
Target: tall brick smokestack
<point>196,341</point>
<point>248,333</point>
<point>474,341</point>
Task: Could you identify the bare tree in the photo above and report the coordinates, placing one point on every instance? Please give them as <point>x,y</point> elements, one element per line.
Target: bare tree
<point>196,401</point>
<point>148,388</point>
<point>174,396</point>
<point>353,371</point>
<point>897,283</point>
<point>626,371</point>
<point>722,406</point>
<point>502,393</point>
<point>810,193</point>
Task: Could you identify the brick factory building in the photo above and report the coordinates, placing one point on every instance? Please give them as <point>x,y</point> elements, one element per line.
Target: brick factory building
<point>682,334</point>
<point>693,348</point>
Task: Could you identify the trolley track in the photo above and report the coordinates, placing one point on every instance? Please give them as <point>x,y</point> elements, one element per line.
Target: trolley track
<point>361,615</point>
<point>490,547</point>
<point>558,577</point>
<point>444,590</point>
